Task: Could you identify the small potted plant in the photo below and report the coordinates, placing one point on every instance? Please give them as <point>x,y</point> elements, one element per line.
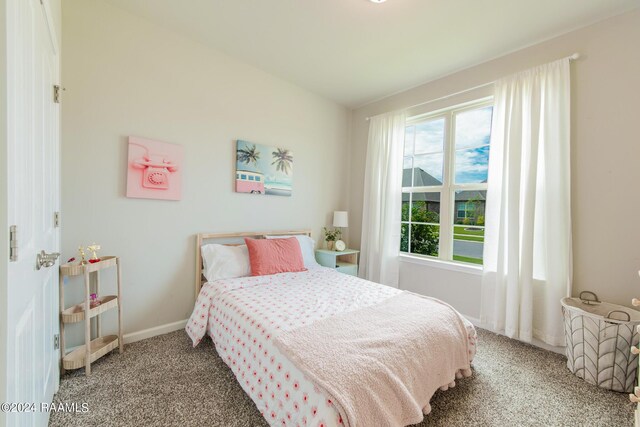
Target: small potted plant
<point>330,236</point>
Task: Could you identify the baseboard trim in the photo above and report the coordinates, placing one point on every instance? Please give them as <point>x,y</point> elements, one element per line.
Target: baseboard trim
<point>145,333</point>
<point>180,324</point>
<point>536,342</point>
<point>155,331</point>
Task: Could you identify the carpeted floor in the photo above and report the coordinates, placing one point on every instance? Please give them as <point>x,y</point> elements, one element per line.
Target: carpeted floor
<point>163,381</point>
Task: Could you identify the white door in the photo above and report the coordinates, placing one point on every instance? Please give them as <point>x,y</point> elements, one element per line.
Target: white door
<point>33,199</point>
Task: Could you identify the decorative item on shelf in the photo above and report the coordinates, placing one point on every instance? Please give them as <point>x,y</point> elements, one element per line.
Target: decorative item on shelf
<point>94,301</point>
<point>636,302</point>
<point>82,255</point>
<point>94,256</point>
<point>330,236</point>
<point>340,220</point>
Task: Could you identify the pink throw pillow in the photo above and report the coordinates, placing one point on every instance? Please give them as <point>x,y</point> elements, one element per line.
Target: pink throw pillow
<point>271,256</point>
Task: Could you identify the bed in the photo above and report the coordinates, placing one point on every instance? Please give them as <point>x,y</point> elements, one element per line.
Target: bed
<point>248,319</point>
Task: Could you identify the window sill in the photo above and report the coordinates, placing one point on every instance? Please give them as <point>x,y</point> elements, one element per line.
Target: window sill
<point>445,265</point>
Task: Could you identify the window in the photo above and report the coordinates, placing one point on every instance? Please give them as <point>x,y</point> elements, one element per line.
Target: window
<point>444,183</point>
<point>465,210</point>
<point>250,177</point>
<point>243,176</point>
<point>257,178</point>
<point>462,210</point>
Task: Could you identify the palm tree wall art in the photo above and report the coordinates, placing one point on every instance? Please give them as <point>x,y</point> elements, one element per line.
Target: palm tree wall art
<point>283,159</point>
<point>260,174</point>
<point>249,154</point>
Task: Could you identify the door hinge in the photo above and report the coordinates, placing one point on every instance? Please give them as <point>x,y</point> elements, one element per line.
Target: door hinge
<point>56,341</point>
<point>56,219</point>
<point>56,94</point>
<point>13,243</point>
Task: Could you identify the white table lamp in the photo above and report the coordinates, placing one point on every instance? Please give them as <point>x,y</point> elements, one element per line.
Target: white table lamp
<point>340,219</point>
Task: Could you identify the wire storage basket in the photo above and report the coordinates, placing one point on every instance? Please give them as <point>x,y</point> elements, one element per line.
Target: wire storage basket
<point>599,337</point>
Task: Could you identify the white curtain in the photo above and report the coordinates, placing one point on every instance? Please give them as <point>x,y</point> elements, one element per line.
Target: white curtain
<point>527,252</point>
<point>380,243</point>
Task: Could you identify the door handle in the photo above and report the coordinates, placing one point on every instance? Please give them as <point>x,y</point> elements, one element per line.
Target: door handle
<point>46,260</point>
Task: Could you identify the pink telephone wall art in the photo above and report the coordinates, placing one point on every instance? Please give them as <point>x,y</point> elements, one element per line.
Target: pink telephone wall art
<point>154,169</point>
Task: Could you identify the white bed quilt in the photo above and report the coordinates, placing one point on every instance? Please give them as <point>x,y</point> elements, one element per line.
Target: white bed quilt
<point>243,315</point>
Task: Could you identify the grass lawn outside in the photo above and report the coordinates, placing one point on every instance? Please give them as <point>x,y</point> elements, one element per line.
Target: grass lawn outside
<point>462,229</point>
<point>460,232</point>
<point>467,259</point>
<point>468,238</point>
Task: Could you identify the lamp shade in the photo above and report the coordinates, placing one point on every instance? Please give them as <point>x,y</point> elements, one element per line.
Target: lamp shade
<point>340,219</point>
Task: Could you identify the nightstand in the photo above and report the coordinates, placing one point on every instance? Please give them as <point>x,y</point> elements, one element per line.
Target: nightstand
<point>344,261</point>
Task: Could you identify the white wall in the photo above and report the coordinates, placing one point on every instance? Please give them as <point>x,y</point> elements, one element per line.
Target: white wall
<point>605,154</point>
<point>126,76</point>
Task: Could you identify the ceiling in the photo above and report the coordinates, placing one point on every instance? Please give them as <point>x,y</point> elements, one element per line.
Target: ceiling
<point>356,51</point>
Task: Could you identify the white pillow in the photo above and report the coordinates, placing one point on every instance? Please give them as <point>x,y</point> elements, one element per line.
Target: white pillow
<point>225,262</point>
<point>307,246</point>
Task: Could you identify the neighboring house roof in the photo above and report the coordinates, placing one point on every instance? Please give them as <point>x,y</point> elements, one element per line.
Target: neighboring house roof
<point>479,195</point>
<point>423,179</point>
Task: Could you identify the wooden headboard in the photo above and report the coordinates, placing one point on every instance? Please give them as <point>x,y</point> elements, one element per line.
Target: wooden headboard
<point>232,239</point>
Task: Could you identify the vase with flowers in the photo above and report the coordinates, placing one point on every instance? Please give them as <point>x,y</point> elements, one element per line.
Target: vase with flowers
<point>330,237</point>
